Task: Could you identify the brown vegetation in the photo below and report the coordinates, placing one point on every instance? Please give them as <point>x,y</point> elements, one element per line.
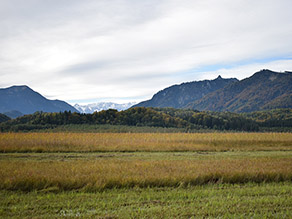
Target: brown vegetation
<point>101,174</point>
<point>89,142</point>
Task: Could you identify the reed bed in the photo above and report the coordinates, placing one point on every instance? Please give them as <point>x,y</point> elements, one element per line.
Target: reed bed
<point>102,142</point>
<point>105,174</point>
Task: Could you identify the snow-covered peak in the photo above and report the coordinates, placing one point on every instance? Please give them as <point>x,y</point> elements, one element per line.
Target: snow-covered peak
<point>96,107</point>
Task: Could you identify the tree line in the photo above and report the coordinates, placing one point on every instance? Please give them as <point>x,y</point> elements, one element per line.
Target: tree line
<point>155,117</point>
<point>139,116</point>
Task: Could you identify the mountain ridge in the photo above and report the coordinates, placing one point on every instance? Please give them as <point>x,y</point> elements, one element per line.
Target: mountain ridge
<point>27,101</point>
<point>265,89</point>
<point>180,95</point>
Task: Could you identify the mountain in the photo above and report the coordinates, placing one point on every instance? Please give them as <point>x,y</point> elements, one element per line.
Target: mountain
<point>96,107</point>
<point>178,96</point>
<point>27,101</point>
<point>3,118</point>
<point>263,90</point>
<point>13,114</point>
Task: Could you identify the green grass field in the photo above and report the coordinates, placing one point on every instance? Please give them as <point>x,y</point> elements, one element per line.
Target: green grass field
<point>239,175</point>
<point>272,200</point>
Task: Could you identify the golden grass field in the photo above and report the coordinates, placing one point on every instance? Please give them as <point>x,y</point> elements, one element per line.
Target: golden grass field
<point>102,142</point>
<point>111,173</point>
<point>151,159</point>
<point>146,175</point>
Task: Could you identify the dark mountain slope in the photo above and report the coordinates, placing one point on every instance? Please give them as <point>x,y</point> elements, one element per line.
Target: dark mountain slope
<point>264,90</point>
<point>178,96</point>
<point>27,101</point>
<point>3,118</point>
<point>283,101</point>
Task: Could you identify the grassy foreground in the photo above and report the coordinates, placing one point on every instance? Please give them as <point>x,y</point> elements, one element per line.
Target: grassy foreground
<point>152,160</point>
<point>114,175</point>
<point>272,200</point>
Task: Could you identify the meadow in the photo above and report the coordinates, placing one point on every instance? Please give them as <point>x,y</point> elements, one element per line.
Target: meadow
<point>270,200</point>
<point>152,175</point>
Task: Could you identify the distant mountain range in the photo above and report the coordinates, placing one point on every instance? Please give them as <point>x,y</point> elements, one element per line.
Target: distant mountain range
<point>264,90</point>
<point>96,107</point>
<point>17,101</point>
<point>23,100</point>
<point>179,96</point>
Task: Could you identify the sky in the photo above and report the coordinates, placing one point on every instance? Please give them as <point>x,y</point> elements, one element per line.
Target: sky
<point>127,50</point>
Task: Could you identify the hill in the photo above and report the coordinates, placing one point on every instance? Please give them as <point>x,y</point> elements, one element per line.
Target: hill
<point>136,117</point>
<point>186,120</point>
<point>13,114</point>
<point>27,101</point>
<point>178,96</point>
<point>263,90</point>
<point>3,118</point>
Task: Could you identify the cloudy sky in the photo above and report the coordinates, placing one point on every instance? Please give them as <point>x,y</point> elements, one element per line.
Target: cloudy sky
<point>85,51</point>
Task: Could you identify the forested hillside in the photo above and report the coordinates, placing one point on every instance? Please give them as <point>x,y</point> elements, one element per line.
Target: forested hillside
<point>157,117</point>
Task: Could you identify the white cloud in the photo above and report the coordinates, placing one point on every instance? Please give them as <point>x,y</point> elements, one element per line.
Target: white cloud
<point>74,50</point>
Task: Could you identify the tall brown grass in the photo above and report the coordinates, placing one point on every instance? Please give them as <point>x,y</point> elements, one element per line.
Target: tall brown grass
<point>108,173</point>
<point>69,142</point>
<point>89,142</point>
<point>102,174</point>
